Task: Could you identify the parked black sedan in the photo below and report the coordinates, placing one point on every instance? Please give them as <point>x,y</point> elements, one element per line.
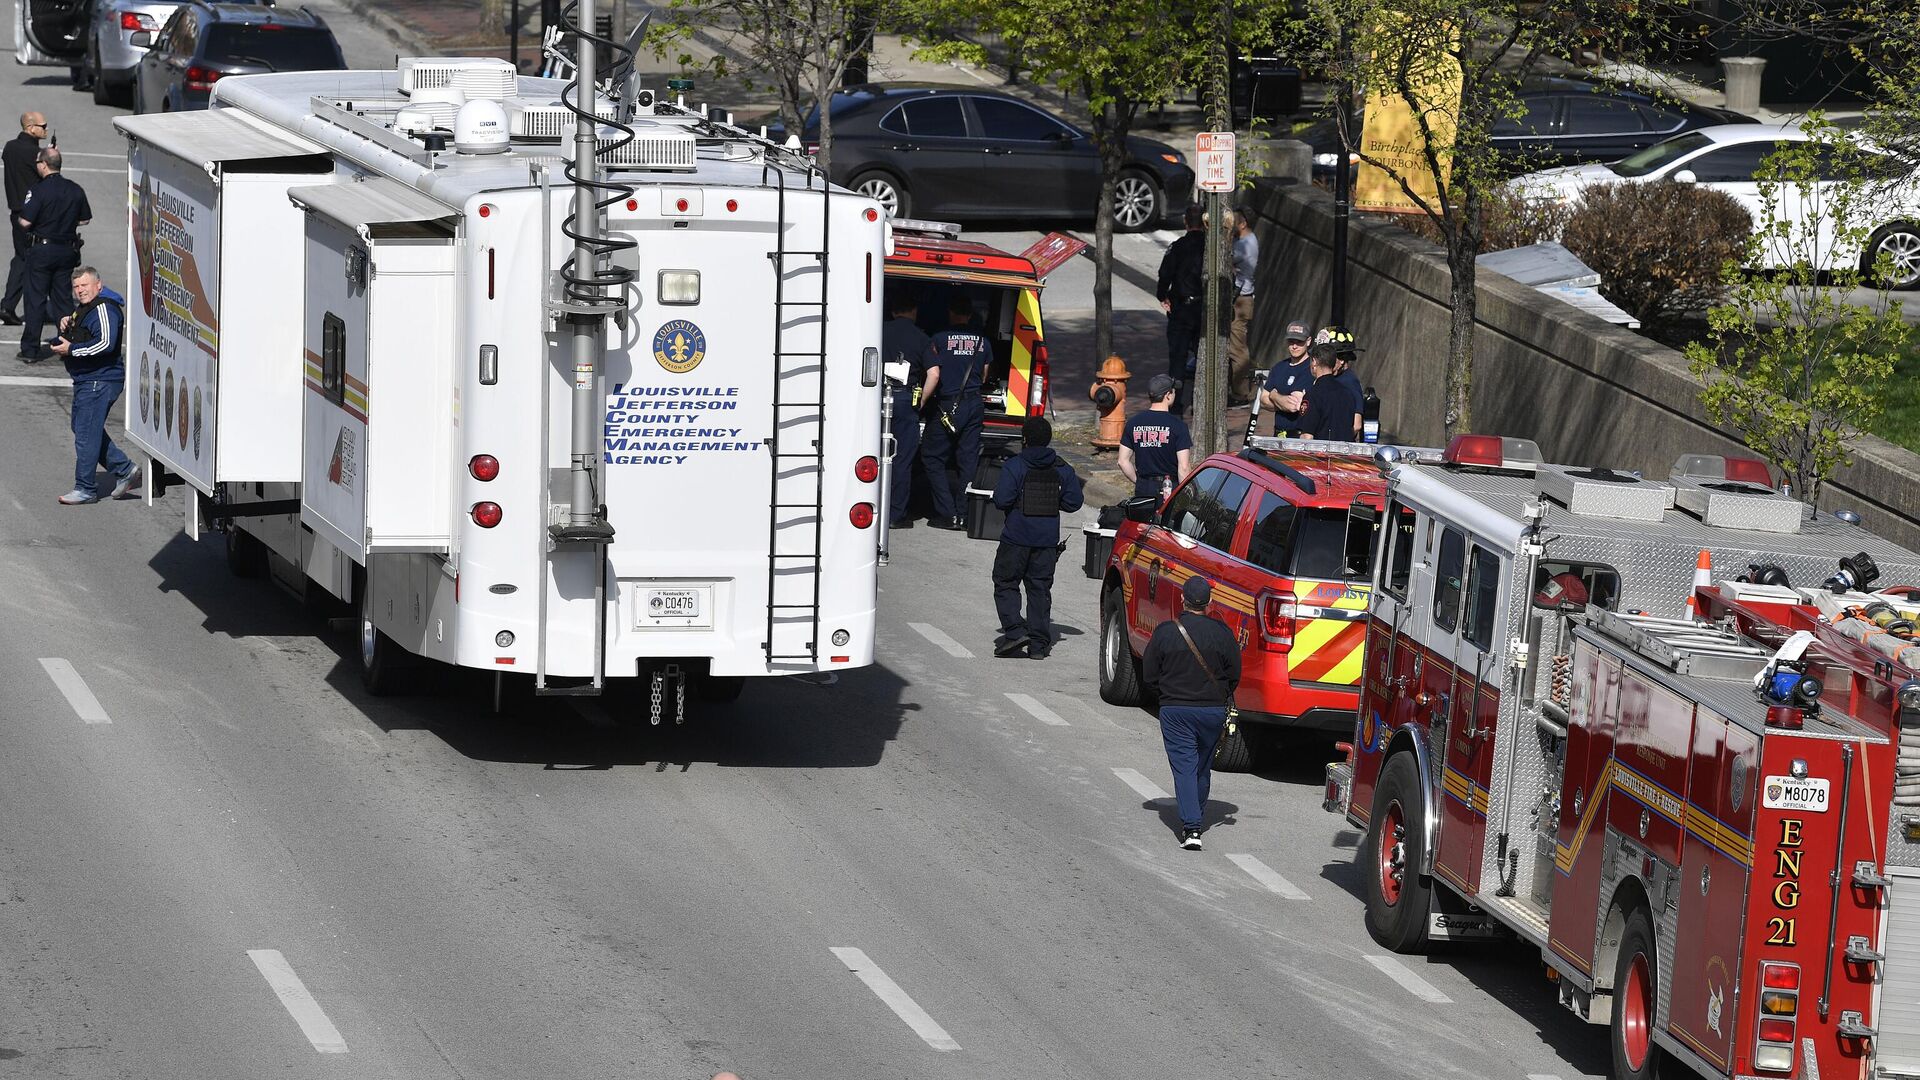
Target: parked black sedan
<point>954,153</point>
<point>1565,122</point>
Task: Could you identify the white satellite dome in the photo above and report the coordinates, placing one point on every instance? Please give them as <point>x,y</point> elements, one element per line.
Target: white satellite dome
<point>481,128</point>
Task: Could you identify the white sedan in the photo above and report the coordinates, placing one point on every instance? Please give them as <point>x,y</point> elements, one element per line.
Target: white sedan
<point>1727,159</point>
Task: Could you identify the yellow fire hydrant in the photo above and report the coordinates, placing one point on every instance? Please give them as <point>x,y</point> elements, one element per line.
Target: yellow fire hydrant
<point>1109,394</point>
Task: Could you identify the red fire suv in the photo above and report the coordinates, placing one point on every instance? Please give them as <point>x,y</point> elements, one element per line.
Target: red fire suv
<point>1270,527</point>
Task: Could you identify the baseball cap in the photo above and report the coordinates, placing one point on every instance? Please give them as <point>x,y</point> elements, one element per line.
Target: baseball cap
<point>1297,331</point>
<point>1197,592</point>
<point>1159,386</point>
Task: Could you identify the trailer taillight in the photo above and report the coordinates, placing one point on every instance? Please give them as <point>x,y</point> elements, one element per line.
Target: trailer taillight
<point>867,469</point>
<point>861,515</point>
<point>484,467</point>
<point>1277,618</point>
<point>486,514</point>
<point>1779,1017</point>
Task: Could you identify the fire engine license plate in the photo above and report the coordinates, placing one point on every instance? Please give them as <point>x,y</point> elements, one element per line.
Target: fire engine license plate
<point>678,607</point>
<point>1786,793</point>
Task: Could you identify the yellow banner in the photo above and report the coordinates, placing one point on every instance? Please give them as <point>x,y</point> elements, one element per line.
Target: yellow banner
<point>1391,136</point>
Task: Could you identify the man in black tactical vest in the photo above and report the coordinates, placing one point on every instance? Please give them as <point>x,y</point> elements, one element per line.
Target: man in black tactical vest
<point>1035,488</point>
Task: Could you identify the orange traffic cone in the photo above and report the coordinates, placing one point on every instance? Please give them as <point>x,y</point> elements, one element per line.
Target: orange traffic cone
<point>1702,577</point>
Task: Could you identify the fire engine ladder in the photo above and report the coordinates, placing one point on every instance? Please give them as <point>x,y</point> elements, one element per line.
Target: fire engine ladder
<point>797,454</point>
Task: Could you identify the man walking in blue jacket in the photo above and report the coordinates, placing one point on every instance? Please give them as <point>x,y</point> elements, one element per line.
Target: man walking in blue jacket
<point>91,346</point>
<point>1035,488</point>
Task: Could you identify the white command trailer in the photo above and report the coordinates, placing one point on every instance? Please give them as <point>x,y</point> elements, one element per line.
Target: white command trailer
<point>359,318</point>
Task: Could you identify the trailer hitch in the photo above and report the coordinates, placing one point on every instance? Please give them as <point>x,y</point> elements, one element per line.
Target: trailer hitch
<point>658,693</point>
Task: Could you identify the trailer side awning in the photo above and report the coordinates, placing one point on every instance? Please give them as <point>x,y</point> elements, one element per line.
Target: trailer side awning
<point>215,137</point>
<point>368,205</point>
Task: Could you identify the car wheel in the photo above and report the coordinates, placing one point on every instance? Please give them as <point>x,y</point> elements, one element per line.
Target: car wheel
<point>1119,671</point>
<point>1235,750</point>
<point>1137,202</point>
<point>1900,243</point>
<point>884,189</point>
<point>1398,896</point>
<point>380,658</point>
<point>1636,983</point>
<point>102,93</point>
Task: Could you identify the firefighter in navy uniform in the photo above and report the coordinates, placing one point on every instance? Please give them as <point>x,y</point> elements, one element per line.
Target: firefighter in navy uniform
<point>902,343</point>
<point>959,358</point>
<point>1035,488</point>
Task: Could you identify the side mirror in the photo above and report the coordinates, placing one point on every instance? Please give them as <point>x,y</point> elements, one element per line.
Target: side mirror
<point>1141,508</point>
<point>1684,176</point>
<point>141,39</point>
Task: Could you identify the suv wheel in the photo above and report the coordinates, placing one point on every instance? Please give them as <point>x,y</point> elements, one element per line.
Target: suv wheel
<point>1136,202</point>
<point>1119,671</point>
<point>1235,750</point>
<point>882,188</point>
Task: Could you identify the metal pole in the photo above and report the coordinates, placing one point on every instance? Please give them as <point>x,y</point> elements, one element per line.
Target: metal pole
<point>513,35</point>
<point>587,328</point>
<point>1342,194</point>
<point>1208,397</point>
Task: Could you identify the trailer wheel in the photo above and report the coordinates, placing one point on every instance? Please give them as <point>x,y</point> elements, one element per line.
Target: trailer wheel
<point>380,658</point>
<point>1235,751</point>
<point>246,555</point>
<point>1636,984</point>
<point>1119,671</point>
<point>1398,897</point>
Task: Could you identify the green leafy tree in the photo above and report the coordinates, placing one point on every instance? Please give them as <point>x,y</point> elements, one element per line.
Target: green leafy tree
<point>1117,56</point>
<point>1395,48</point>
<point>800,48</point>
<point>1791,364</point>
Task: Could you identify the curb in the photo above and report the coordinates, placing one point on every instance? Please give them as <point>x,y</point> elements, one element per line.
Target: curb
<point>403,36</point>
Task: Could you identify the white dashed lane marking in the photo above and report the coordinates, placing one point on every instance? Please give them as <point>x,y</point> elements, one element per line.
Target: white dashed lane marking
<point>34,380</point>
<point>1144,787</point>
<point>1411,983</point>
<point>939,637</point>
<point>1038,711</point>
<point>1267,876</point>
<point>896,999</point>
<point>85,705</point>
<point>299,1004</point>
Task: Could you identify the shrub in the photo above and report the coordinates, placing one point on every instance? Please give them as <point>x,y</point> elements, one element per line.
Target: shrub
<point>1661,249</point>
<point>1506,221</point>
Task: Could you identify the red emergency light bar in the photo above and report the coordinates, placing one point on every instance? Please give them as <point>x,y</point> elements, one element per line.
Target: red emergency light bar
<point>1492,452</point>
<point>1731,468</point>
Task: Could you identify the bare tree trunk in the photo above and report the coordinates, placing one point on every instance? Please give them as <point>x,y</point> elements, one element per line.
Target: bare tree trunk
<point>1463,246</point>
<point>1110,128</point>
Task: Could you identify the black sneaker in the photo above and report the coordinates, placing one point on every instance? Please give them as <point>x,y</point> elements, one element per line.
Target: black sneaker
<point>1009,646</point>
<point>1035,652</point>
<point>949,524</point>
<point>903,523</point>
<point>1190,839</point>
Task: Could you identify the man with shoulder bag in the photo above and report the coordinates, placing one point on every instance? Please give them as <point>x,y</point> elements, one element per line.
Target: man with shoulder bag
<point>1035,488</point>
<point>1193,663</point>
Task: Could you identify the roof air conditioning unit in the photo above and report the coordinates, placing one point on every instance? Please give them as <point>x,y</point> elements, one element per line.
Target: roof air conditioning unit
<point>652,147</point>
<point>540,121</point>
<point>441,104</point>
<point>475,76</point>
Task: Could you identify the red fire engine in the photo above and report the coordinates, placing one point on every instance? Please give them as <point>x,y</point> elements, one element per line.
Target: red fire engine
<point>1704,824</point>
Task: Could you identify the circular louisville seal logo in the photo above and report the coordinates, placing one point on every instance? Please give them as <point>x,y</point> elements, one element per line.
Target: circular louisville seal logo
<point>679,346</point>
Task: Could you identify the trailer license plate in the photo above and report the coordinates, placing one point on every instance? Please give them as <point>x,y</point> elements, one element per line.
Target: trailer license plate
<point>680,607</point>
<point>1786,793</point>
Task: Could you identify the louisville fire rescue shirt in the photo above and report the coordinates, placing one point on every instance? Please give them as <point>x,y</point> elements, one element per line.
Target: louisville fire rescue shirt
<point>963,358</point>
<point>1156,438</point>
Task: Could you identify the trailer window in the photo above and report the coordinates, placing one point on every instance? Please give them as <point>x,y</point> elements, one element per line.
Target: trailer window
<point>1446,580</point>
<point>333,358</point>
<point>1483,599</point>
<point>1399,550</point>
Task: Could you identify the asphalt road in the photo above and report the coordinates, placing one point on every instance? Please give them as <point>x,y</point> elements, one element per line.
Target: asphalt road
<point>220,859</point>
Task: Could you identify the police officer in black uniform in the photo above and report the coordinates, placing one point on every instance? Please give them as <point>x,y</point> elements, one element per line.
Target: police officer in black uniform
<point>20,160</point>
<point>1035,488</point>
<point>901,342</point>
<point>52,215</point>
<point>960,358</point>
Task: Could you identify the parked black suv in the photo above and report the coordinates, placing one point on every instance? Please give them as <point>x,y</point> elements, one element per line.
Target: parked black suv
<point>203,43</point>
<point>953,152</point>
